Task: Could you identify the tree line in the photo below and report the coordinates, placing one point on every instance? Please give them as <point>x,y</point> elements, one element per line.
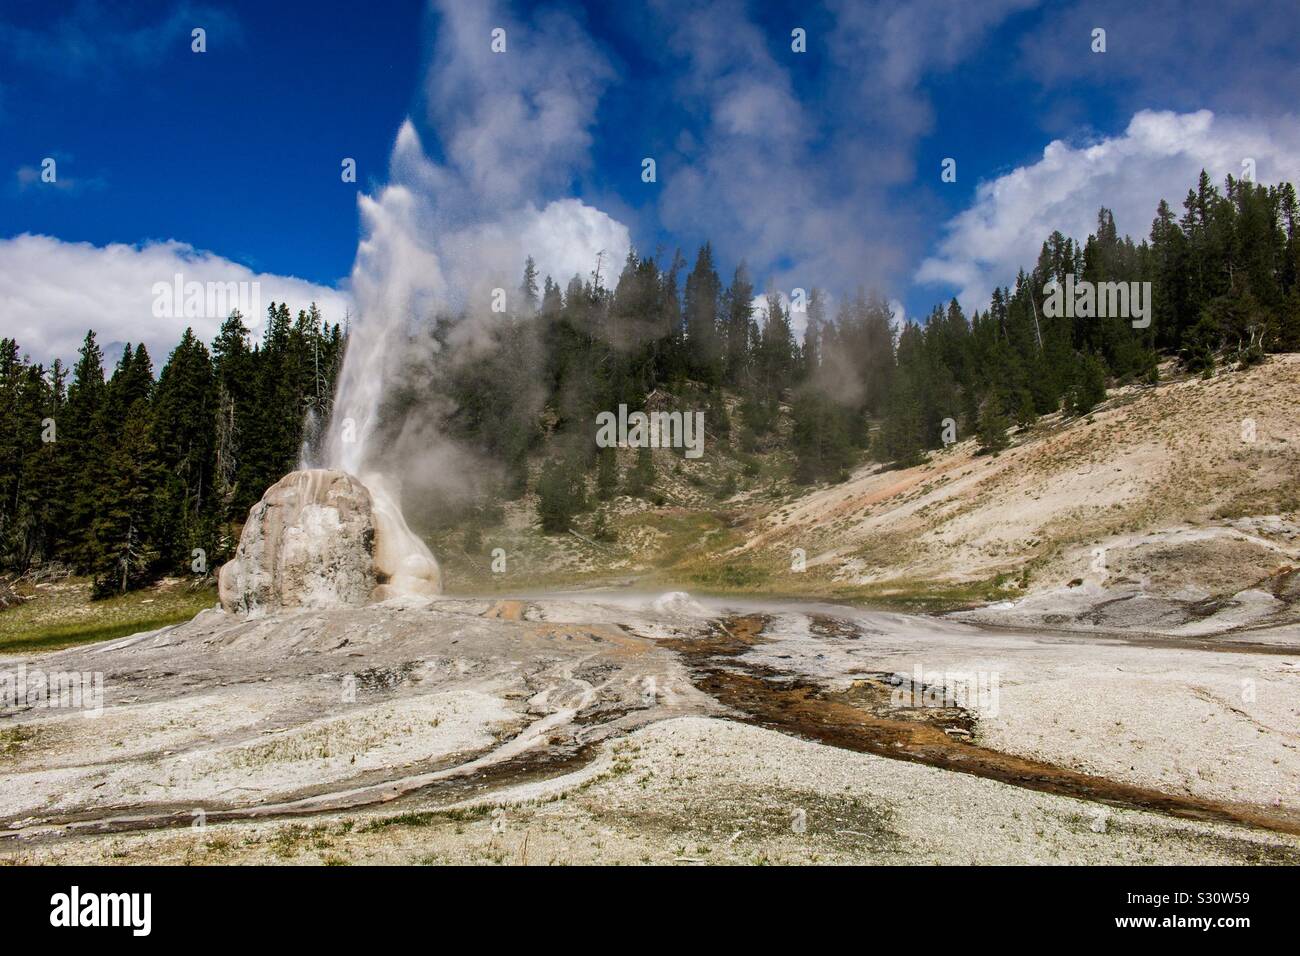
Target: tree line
<point>144,472</point>
<point>1223,288</point>
<point>129,476</point>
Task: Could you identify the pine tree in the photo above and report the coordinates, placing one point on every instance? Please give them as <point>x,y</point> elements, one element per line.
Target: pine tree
<point>552,299</point>
<point>738,320</point>
<point>820,438</point>
<point>123,530</point>
<point>993,425</point>
<point>811,353</point>
<point>184,433</point>
<point>31,499</point>
<point>1089,387</point>
<point>774,363</point>
<point>233,371</point>
<point>1288,331</point>
<point>640,480</point>
<point>528,287</point>
<point>560,496</point>
<point>701,316</point>
<point>82,433</point>
<point>606,474</point>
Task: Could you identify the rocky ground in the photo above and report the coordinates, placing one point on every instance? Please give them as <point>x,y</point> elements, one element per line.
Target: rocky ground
<point>1121,653</point>
<point>630,728</point>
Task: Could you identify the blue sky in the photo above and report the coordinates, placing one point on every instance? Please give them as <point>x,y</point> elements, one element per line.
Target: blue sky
<point>236,150</point>
<point>820,168</point>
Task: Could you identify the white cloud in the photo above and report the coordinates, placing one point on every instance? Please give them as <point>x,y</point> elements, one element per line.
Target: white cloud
<point>564,239</point>
<point>1159,156</point>
<point>28,178</point>
<point>758,307</point>
<point>53,291</point>
<point>565,236</point>
<point>798,318</point>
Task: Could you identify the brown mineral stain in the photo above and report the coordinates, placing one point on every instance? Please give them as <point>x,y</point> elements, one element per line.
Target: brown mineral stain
<point>506,611</point>
<point>859,720</point>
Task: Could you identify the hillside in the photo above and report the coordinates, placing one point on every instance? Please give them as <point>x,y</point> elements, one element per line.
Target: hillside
<point>1163,479</point>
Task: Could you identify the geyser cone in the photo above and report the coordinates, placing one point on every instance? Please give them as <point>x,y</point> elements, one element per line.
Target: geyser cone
<point>321,538</point>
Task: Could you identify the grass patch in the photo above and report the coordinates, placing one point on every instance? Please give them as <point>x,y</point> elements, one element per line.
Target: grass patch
<point>12,740</point>
<point>926,598</point>
<point>424,818</point>
<point>64,615</point>
<point>904,596</point>
<point>729,578</point>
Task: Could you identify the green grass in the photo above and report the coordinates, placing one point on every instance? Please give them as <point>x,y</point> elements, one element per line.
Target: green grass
<point>683,534</point>
<point>904,595</point>
<point>921,597</point>
<point>65,615</point>
<point>728,578</point>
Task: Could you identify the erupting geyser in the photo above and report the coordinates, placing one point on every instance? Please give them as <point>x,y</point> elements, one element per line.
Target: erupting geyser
<point>335,535</point>
<point>320,538</point>
<point>436,241</point>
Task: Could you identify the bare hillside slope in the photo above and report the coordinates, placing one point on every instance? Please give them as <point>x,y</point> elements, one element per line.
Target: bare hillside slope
<point>1187,491</point>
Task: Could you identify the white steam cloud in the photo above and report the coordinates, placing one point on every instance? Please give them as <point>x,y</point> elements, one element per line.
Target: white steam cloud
<point>441,236</point>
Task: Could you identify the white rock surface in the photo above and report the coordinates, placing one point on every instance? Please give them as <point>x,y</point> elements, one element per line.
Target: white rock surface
<point>319,538</point>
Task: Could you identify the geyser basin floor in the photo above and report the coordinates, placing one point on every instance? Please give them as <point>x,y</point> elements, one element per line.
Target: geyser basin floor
<point>347,734</point>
